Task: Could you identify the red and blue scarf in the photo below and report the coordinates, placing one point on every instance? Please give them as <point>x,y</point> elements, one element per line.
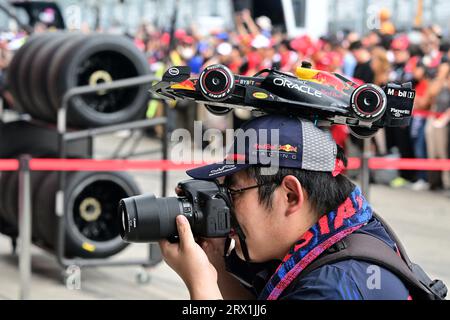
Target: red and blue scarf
<point>331,228</point>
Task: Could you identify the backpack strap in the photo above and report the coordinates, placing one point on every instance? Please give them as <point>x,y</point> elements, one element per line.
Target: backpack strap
<point>438,288</point>
<point>367,248</point>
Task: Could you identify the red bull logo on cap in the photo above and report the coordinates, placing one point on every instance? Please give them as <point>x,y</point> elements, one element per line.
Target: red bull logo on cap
<point>270,147</point>
<point>287,148</point>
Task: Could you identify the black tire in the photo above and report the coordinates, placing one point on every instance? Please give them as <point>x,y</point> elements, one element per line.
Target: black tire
<point>82,238</point>
<point>4,182</point>
<point>39,95</point>
<point>13,74</point>
<point>23,72</point>
<point>111,57</point>
<point>362,133</point>
<point>216,82</point>
<point>10,199</point>
<point>217,111</point>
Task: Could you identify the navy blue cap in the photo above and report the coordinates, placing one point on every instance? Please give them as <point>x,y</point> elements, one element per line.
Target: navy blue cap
<point>277,141</point>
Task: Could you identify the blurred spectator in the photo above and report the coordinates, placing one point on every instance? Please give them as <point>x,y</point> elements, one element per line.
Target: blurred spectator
<point>349,60</point>
<point>265,25</point>
<point>386,25</point>
<point>363,70</point>
<point>381,69</point>
<point>372,39</point>
<point>288,57</point>
<point>380,66</point>
<point>438,126</point>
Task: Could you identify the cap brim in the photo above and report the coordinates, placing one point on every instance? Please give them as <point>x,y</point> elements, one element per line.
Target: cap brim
<point>216,170</point>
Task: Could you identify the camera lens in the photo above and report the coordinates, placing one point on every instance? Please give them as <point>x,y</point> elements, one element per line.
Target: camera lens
<point>146,218</point>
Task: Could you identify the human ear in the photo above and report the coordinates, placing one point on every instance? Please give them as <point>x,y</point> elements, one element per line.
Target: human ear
<point>293,193</point>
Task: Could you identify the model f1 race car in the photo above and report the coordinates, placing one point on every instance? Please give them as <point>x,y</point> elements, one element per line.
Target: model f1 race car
<point>323,97</point>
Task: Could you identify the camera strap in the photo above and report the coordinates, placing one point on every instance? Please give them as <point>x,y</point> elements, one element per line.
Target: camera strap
<point>244,248</point>
<point>237,228</point>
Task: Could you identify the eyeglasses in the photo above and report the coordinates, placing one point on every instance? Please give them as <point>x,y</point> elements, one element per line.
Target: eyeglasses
<point>234,192</point>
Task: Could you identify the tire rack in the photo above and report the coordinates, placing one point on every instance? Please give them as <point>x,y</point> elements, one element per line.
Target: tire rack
<point>25,217</point>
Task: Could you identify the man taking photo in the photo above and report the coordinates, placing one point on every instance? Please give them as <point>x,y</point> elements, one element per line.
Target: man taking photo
<point>284,222</point>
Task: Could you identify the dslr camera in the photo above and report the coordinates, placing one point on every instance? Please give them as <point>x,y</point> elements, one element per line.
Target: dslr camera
<point>205,204</point>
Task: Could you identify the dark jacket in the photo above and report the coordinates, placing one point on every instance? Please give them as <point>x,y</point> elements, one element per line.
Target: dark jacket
<point>344,280</point>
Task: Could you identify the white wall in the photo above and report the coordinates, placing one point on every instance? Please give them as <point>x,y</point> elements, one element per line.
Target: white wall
<point>316,18</point>
<point>317,13</point>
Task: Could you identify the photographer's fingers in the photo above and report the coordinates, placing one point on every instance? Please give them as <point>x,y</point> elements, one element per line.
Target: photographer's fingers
<point>185,232</point>
<point>178,191</point>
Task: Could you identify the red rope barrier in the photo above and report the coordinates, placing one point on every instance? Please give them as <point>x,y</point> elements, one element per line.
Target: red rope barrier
<point>410,164</point>
<point>353,163</point>
<point>427,113</point>
<point>167,165</point>
<point>9,165</point>
<point>107,165</point>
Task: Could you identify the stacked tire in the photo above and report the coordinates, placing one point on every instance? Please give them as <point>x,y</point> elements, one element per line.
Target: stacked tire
<point>50,64</point>
<point>41,72</point>
<point>91,210</point>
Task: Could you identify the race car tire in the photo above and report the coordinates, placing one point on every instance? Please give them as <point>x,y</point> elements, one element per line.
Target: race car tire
<point>97,234</point>
<point>39,92</point>
<point>368,102</point>
<point>216,82</point>
<point>23,72</point>
<point>362,133</point>
<point>218,111</point>
<point>98,59</point>
<point>13,74</point>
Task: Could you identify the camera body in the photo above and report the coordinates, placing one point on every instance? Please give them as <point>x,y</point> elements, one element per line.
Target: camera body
<point>210,212</point>
<point>146,218</point>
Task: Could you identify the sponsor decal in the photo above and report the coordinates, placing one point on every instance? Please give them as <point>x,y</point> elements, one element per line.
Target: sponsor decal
<point>331,80</point>
<point>287,148</point>
<point>246,82</point>
<point>400,112</point>
<point>282,82</point>
<point>401,93</point>
<point>186,85</point>
<point>280,148</point>
<point>260,95</point>
<point>222,169</point>
<point>174,71</point>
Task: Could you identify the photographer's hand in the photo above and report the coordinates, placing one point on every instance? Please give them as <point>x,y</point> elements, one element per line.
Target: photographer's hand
<point>190,262</point>
<point>229,286</point>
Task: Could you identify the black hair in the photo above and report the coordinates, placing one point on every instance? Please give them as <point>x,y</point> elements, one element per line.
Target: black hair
<point>356,45</point>
<point>325,192</point>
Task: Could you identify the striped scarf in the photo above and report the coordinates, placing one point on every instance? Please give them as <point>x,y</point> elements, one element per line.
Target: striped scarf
<point>331,228</point>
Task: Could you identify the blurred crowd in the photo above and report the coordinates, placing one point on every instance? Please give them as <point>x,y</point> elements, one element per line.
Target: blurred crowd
<point>420,56</point>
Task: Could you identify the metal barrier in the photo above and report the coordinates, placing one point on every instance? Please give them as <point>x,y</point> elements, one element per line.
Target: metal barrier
<point>64,136</point>
<point>25,214</point>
